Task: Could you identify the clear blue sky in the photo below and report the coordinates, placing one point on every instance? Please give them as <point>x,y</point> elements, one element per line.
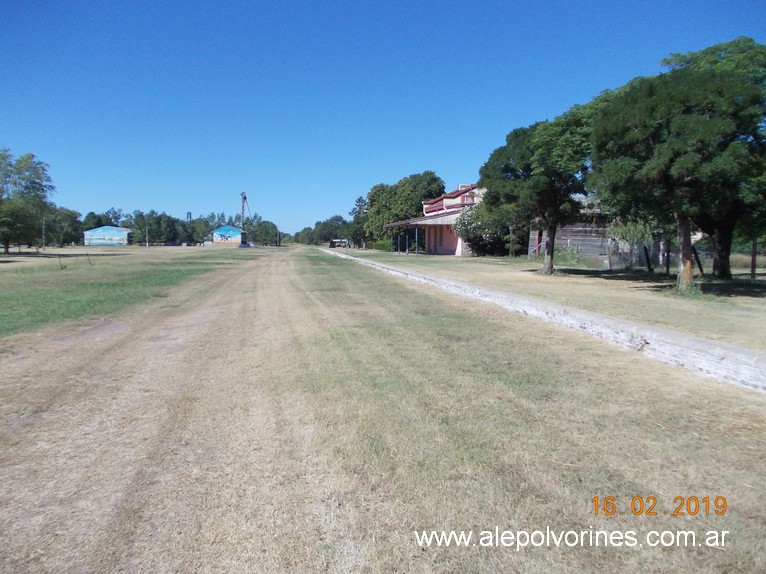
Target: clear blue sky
<point>180,106</point>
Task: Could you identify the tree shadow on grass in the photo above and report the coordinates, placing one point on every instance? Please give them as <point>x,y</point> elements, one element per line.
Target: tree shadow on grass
<point>618,275</point>
<point>740,286</point>
<point>70,255</point>
<point>21,257</point>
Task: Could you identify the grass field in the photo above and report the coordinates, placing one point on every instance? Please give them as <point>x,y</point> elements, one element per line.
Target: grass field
<point>468,419</point>
<point>732,312</point>
<point>353,410</point>
<point>66,284</point>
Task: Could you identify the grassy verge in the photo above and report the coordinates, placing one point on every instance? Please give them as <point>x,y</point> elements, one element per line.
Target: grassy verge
<point>39,290</point>
<point>732,312</point>
<point>448,415</point>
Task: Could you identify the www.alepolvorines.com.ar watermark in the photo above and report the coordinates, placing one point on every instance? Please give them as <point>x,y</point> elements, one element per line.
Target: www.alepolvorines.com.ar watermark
<point>553,538</point>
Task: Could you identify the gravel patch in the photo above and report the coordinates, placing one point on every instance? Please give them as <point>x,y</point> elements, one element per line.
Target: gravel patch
<point>720,361</point>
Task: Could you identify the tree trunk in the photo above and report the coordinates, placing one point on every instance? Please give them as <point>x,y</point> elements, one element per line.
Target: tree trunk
<point>721,258</point>
<point>685,279</point>
<point>649,267</point>
<point>667,255</point>
<point>549,245</point>
<point>721,232</point>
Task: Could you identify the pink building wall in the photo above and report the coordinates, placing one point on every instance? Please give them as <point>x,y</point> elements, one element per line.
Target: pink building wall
<point>441,240</point>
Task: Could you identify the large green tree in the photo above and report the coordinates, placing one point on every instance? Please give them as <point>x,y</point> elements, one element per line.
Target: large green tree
<point>379,209</point>
<point>402,200</point>
<point>413,190</point>
<point>25,187</point>
<point>733,204</point>
<point>360,207</point>
<point>742,55</point>
<point>680,145</point>
<point>63,227</point>
<point>505,173</point>
<point>93,220</point>
<point>355,229</point>
<point>540,172</point>
<point>199,230</point>
<point>329,229</point>
<point>264,232</point>
<point>306,236</point>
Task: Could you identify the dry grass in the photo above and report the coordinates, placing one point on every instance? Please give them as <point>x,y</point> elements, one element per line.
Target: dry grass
<point>734,313</point>
<point>452,416</point>
<point>319,413</point>
<point>56,285</point>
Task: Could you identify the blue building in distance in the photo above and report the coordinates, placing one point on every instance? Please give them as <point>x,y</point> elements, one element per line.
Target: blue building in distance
<point>108,235</point>
<point>227,234</point>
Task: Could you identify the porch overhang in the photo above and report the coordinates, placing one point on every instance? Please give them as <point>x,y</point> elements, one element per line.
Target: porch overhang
<point>426,220</point>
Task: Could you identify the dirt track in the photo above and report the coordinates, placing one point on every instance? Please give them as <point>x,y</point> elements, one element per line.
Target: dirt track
<point>291,413</point>
<point>161,440</point>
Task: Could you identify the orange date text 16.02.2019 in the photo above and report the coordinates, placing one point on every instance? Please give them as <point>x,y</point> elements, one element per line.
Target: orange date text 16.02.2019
<point>647,506</point>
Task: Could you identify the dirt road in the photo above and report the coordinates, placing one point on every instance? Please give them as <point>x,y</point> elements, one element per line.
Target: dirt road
<point>162,440</point>
<point>295,412</point>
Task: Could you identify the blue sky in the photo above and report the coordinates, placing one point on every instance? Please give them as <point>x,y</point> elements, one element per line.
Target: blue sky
<point>180,106</point>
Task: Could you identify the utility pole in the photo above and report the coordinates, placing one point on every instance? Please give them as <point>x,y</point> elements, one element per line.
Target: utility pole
<point>243,241</point>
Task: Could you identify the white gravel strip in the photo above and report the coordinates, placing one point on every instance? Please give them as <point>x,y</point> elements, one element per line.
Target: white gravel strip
<point>727,363</point>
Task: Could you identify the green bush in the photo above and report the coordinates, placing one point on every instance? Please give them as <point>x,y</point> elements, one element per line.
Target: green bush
<point>567,257</point>
<point>381,245</point>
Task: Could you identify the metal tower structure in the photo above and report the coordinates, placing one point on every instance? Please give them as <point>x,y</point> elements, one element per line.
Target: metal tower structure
<point>243,242</point>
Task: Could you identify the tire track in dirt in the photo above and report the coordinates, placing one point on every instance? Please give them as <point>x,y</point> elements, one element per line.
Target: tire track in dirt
<point>169,440</point>
<point>300,420</point>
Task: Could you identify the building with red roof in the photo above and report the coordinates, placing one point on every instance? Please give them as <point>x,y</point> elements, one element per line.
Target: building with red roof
<point>439,216</point>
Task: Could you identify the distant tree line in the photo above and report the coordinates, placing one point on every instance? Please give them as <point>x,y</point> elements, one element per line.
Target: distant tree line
<point>161,228</point>
<point>29,217</point>
<point>384,203</point>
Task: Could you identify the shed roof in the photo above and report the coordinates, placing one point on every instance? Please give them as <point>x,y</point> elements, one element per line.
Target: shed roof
<point>108,229</point>
<point>227,229</point>
<point>443,218</point>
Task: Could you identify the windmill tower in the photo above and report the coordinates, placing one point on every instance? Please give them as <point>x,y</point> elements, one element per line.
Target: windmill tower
<point>243,241</point>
